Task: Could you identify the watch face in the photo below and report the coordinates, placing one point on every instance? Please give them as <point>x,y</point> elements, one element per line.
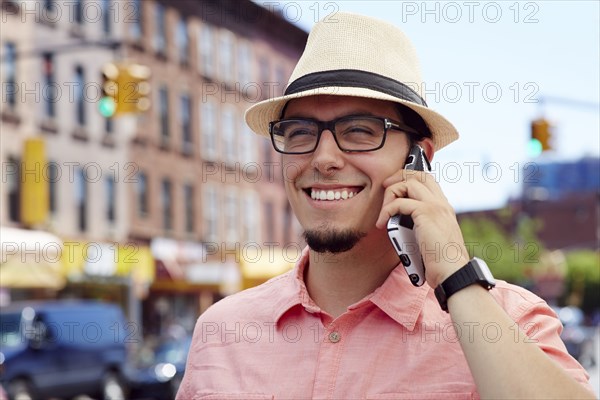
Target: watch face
<point>484,270</point>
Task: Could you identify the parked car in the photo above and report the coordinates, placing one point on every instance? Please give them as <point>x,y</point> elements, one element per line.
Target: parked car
<point>578,338</point>
<point>62,349</point>
<point>159,376</point>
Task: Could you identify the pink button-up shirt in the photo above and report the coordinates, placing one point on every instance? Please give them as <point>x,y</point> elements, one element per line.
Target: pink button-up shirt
<point>274,342</point>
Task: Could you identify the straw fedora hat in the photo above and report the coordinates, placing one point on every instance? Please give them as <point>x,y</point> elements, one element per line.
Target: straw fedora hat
<point>355,55</point>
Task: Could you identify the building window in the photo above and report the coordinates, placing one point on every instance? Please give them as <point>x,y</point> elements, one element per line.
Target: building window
<point>164,114</point>
<point>78,12</point>
<point>81,197</point>
<point>281,80</point>
<point>268,158</point>
<point>79,95</point>
<point>226,56</point>
<point>270,221</point>
<point>167,204</point>
<point>106,15</point>
<point>186,127</point>
<point>211,213</point>
<point>248,150</point>
<point>142,194</point>
<point>250,217</point>
<point>206,50</point>
<point>50,86</point>
<point>188,196</point>
<point>228,125</point>
<point>109,126</point>
<point>53,179</point>
<point>134,15</point>
<point>208,130</point>
<point>49,12</point>
<point>265,76</point>
<point>265,69</point>
<point>110,199</point>
<point>288,224</point>
<point>244,63</point>
<point>231,215</point>
<point>13,185</point>
<point>182,42</point>
<point>160,32</point>
<point>10,81</point>
<point>49,5</point>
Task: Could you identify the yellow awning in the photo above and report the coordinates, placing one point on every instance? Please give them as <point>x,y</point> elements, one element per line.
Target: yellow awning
<point>30,259</point>
<point>137,261</point>
<point>261,264</point>
<point>108,259</point>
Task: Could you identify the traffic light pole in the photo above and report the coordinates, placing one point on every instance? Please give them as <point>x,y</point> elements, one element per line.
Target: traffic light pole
<point>567,102</point>
<point>108,44</point>
<point>542,129</point>
<point>131,80</point>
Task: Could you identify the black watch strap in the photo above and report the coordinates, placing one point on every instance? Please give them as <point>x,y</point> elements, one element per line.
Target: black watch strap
<point>466,276</point>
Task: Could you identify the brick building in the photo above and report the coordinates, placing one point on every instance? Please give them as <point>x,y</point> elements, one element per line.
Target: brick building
<point>67,193</point>
<point>185,186</point>
<point>208,192</point>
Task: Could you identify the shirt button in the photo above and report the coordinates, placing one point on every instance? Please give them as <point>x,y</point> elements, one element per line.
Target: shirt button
<point>334,337</point>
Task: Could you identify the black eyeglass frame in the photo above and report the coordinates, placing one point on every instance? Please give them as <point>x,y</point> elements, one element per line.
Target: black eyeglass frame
<point>330,126</point>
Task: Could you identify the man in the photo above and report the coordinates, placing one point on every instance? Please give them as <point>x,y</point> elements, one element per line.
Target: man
<point>347,322</point>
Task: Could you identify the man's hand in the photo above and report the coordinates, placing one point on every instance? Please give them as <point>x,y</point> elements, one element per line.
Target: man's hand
<point>416,193</point>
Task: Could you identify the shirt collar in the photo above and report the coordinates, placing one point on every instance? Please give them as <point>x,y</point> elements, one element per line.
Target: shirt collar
<point>292,291</point>
<point>397,297</point>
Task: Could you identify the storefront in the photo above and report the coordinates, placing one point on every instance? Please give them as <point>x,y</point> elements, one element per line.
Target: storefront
<point>190,278</point>
<point>30,267</point>
<point>113,272</point>
<point>187,282</point>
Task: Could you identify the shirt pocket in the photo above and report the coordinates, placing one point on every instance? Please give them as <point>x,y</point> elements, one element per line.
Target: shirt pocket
<point>422,396</point>
<point>233,396</point>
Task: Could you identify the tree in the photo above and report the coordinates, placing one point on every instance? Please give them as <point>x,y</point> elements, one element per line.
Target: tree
<point>583,279</point>
<point>511,249</point>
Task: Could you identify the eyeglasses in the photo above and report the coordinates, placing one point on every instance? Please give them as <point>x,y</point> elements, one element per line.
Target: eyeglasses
<point>355,133</point>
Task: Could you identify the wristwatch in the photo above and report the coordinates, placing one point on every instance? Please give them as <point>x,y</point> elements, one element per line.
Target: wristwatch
<point>475,271</point>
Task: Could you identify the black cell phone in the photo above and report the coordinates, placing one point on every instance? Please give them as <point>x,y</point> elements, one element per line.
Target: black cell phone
<point>400,227</point>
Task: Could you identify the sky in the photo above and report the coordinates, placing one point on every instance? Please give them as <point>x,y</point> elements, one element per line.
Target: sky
<point>491,68</point>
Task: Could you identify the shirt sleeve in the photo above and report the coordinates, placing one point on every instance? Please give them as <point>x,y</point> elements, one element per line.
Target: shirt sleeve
<point>187,386</point>
<point>542,326</point>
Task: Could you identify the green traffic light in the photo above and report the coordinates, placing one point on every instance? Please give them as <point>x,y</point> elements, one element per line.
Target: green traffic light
<point>534,148</point>
<point>107,107</point>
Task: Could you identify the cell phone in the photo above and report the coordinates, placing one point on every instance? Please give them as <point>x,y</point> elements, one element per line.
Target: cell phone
<point>400,227</point>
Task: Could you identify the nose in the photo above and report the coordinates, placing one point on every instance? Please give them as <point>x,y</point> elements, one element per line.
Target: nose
<point>327,157</point>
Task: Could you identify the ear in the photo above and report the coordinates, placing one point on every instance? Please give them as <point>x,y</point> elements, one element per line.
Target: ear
<point>427,145</point>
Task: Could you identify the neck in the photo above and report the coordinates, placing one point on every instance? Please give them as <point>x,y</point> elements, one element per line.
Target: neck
<point>336,281</point>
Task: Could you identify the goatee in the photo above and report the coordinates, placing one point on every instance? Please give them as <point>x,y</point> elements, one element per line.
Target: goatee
<point>330,241</point>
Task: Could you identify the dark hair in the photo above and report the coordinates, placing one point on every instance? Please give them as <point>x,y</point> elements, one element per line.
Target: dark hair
<point>414,120</point>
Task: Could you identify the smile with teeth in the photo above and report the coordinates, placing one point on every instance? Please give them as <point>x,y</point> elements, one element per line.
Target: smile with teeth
<point>330,195</point>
